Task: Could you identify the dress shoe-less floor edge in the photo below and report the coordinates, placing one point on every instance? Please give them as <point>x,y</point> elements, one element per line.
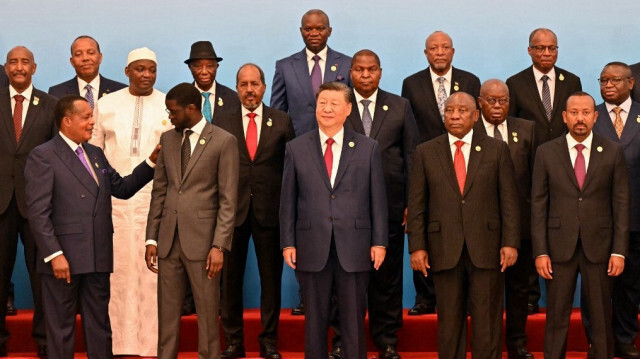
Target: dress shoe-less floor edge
<point>519,353</point>
<point>299,310</point>
<point>389,352</point>
<point>269,351</point>
<point>233,351</point>
<point>422,309</point>
<point>336,353</point>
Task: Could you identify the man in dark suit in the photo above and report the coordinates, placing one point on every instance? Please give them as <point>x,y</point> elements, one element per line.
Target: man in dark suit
<point>619,121</point>
<point>539,93</point>
<point>388,119</point>
<point>635,72</point>
<point>203,64</point>
<point>4,80</point>
<point>520,137</point>
<point>86,59</point>
<point>69,185</point>
<point>191,219</point>
<point>29,121</point>
<point>262,134</point>
<point>464,224</point>
<point>579,224</point>
<point>427,90</point>
<point>333,221</point>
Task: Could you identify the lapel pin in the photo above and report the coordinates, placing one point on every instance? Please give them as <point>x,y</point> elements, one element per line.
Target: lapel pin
<point>105,94</point>
<point>36,101</point>
<point>456,87</point>
<point>269,122</point>
<point>202,141</point>
<point>514,134</point>
<point>599,149</point>
<point>334,68</point>
<point>352,144</point>
<point>478,148</point>
<point>638,119</point>
<point>97,165</point>
<point>561,77</point>
<point>385,107</point>
<point>515,139</point>
<point>164,122</point>
<point>220,102</point>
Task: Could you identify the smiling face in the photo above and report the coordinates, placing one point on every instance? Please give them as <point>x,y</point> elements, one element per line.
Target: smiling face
<point>20,67</point>
<point>250,87</point>
<point>580,116</point>
<point>142,77</point>
<point>77,125</point>
<point>332,109</point>
<point>365,75</point>
<point>460,114</point>
<point>85,58</point>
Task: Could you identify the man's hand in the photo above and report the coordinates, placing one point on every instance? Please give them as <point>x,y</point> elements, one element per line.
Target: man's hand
<point>214,262</point>
<point>377,256</point>
<point>508,257</point>
<point>404,218</point>
<point>616,266</point>
<point>151,257</point>
<point>60,268</point>
<point>289,255</point>
<point>543,266</point>
<point>420,261</point>
<point>154,155</point>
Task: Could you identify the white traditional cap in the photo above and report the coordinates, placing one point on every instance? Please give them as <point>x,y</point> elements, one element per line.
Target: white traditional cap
<point>143,53</point>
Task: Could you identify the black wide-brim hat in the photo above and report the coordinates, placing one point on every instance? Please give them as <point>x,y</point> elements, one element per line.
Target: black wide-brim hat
<point>202,50</point>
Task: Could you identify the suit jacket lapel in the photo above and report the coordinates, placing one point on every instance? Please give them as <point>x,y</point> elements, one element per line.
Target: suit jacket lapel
<point>32,116</point>
<point>354,119</point>
<point>380,114</point>
<point>559,93</point>
<point>171,147</point>
<point>475,157</point>
<point>7,116</point>
<point>427,89</point>
<point>72,162</point>
<point>333,62</point>
<point>512,127</point>
<point>197,151</point>
<point>565,159</point>
<point>345,156</point>
<point>315,147</point>
<point>301,71</point>
<point>532,87</point>
<point>237,126</point>
<point>265,130</point>
<point>631,126</point>
<point>446,162</point>
<point>595,157</point>
<point>604,125</point>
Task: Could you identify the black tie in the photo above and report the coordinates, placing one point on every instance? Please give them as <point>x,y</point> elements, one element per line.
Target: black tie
<point>186,151</point>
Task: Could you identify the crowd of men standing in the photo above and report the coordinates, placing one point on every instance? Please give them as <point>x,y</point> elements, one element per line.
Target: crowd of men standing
<point>496,183</point>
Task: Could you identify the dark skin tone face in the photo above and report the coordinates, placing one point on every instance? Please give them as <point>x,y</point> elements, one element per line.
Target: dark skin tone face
<point>142,77</point>
<point>315,31</point>
<point>439,52</point>
<point>580,116</point>
<point>78,124</point>
<point>616,84</point>
<point>85,58</point>
<point>204,72</point>
<point>20,67</point>
<point>250,87</point>
<point>182,117</point>
<point>543,60</point>
<point>494,91</point>
<point>460,114</point>
<point>365,75</point>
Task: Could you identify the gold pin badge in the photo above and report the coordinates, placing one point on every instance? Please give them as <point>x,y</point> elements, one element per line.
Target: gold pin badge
<point>385,107</point>
<point>478,148</point>
<point>202,141</point>
<point>599,148</point>
<point>97,165</point>
<point>352,144</point>
<point>515,139</point>
<point>334,68</point>
<point>164,122</point>
<point>269,122</point>
<point>561,77</point>
<point>36,101</point>
<point>638,119</point>
<point>456,87</point>
<point>105,94</point>
<point>514,134</point>
<point>220,102</point>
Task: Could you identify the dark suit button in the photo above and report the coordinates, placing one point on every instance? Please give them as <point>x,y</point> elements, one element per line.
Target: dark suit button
<point>330,219</point>
<point>580,199</point>
<point>462,201</point>
<point>179,192</point>
<point>333,196</point>
<point>82,195</point>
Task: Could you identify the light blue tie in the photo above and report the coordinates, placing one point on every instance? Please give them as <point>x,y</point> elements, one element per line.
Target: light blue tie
<point>206,109</point>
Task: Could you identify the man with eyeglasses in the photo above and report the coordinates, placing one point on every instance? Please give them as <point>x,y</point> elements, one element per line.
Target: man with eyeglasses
<point>519,135</point>
<point>619,121</point>
<point>539,93</point>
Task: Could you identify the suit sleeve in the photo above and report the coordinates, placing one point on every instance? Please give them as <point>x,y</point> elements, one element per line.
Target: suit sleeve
<point>509,200</point>
<point>279,90</point>
<point>621,208</point>
<point>513,98</point>
<point>158,195</point>
<point>418,204</point>
<point>228,174</point>
<point>39,177</point>
<point>378,198</point>
<point>539,205</point>
<point>127,186</point>
<point>288,201</point>
<point>410,140</point>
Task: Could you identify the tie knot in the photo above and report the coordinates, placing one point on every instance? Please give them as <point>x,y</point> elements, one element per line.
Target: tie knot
<point>188,133</point>
<point>459,144</point>
<point>580,147</point>
<point>440,80</point>
<point>19,98</point>
<point>79,151</point>
<point>316,58</point>
<point>365,102</point>
<point>617,110</point>
<point>252,116</point>
<point>88,87</point>
<point>330,141</point>
<point>206,95</point>
<point>545,78</point>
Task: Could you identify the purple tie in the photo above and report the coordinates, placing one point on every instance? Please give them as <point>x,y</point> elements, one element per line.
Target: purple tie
<point>579,167</point>
<point>80,154</point>
<point>316,75</point>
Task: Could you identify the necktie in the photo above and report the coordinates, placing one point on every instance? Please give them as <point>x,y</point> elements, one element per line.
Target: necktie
<point>579,167</point>
<point>442,96</point>
<point>367,121</point>
<point>252,135</point>
<point>546,97</point>
<point>328,156</point>
<point>17,116</point>
<point>496,133</point>
<point>617,123</point>
<point>80,154</point>
<point>316,75</point>
<point>459,166</point>
<point>206,108</point>
<point>186,151</point>
<point>89,95</point>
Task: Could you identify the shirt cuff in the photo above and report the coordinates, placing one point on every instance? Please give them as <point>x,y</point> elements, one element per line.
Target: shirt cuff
<point>542,255</point>
<point>290,247</point>
<point>49,258</point>
<point>151,164</point>
<point>152,242</point>
<point>617,255</point>
<point>379,247</point>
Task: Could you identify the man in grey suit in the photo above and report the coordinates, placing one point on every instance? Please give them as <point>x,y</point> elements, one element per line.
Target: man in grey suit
<point>579,224</point>
<point>333,221</point>
<point>191,219</point>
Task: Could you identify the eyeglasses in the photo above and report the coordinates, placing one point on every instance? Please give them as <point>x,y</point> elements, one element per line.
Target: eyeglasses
<point>615,81</point>
<point>492,101</point>
<point>539,49</point>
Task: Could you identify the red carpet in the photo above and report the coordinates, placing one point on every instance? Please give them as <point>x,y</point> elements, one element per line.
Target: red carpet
<point>418,337</point>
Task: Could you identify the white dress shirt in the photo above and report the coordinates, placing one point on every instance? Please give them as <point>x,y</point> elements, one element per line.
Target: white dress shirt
<point>322,62</point>
<point>625,106</point>
<point>258,118</point>
<point>551,82</point>
<point>502,128</point>
<point>586,152</point>
<point>446,83</point>
<point>212,96</point>
<point>466,148</point>
<point>336,149</point>
<point>372,105</point>
<point>95,88</point>
<point>25,104</point>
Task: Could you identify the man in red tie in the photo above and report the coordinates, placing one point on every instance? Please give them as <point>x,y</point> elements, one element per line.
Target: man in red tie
<point>579,224</point>
<point>464,225</point>
<point>262,134</point>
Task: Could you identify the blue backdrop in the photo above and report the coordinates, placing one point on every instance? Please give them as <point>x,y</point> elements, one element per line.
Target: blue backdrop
<point>490,38</point>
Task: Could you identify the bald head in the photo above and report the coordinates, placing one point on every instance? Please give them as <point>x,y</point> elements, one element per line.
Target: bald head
<point>22,50</point>
<point>438,35</point>
<point>20,67</point>
<point>460,114</point>
<point>461,97</point>
<point>316,12</point>
<point>439,52</point>
<point>494,101</point>
<point>493,84</point>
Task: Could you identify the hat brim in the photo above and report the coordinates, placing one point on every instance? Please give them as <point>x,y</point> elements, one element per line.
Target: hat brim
<point>188,61</point>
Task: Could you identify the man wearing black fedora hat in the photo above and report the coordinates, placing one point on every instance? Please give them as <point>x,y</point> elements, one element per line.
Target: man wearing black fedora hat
<point>203,64</point>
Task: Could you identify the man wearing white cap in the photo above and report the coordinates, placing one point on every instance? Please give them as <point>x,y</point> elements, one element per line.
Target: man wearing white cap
<point>128,127</point>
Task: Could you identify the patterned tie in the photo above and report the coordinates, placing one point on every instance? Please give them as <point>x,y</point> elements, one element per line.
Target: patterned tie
<point>252,135</point>
<point>80,154</point>
<point>316,75</point>
<point>442,96</point>
<point>186,151</point>
<point>458,165</point>
<point>367,121</point>
<point>206,108</point>
<point>496,133</point>
<point>89,95</point>
<point>546,97</point>
<point>17,116</point>
<point>328,156</point>
<point>617,123</point>
<point>579,167</point>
